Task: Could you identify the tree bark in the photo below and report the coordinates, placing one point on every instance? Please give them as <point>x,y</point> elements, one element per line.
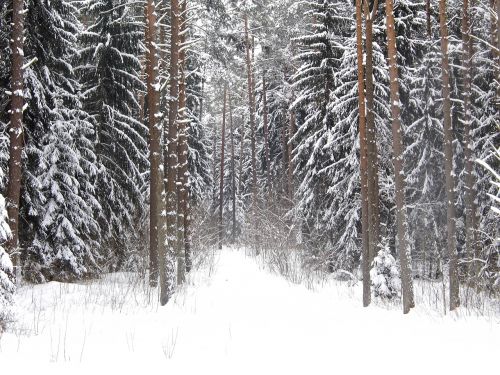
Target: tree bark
<point>448,155</point>
<point>470,181</point>
<point>240,164</point>
<point>233,173</point>
<point>251,105</point>
<point>183,246</point>
<point>398,152</point>
<point>155,151</point>
<point>170,160</point>
<point>266,133</point>
<point>363,159</point>
<point>291,132</point>
<point>428,18</point>
<point>371,139</point>
<point>221,181</point>
<point>16,131</point>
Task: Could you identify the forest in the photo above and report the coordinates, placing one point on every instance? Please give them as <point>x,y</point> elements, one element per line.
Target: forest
<point>150,148</point>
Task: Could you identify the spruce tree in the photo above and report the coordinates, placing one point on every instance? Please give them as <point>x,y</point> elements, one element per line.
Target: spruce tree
<point>110,74</point>
<point>57,227</point>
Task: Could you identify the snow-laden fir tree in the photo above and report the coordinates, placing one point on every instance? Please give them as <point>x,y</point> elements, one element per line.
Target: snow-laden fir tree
<point>326,154</point>
<point>384,275</point>
<point>314,83</point>
<point>485,138</point>
<point>109,68</point>
<point>423,157</point>
<point>52,98</point>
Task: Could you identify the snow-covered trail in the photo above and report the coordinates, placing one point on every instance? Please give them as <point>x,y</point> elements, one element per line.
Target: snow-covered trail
<point>236,319</point>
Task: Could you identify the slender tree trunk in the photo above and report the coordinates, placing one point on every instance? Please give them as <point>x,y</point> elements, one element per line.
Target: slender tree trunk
<point>266,133</point>
<point>155,151</point>
<point>291,132</point>
<point>214,168</point>
<point>233,175</point>
<point>240,164</point>
<point>16,132</point>
<point>363,158</point>
<point>448,155</point>
<point>171,156</point>
<point>186,196</point>
<point>251,105</point>
<point>221,180</point>
<point>182,153</point>
<point>428,18</point>
<point>371,139</point>
<point>398,152</point>
<point>470,183</point>
<point>284,146</point>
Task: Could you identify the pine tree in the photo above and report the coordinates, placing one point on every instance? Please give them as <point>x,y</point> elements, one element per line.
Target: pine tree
<point>16,123</point>
<point>156,254</point>
<point>109,70</point>
<point>398,150</point>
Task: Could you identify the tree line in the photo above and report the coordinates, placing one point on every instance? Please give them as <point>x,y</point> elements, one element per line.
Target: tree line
<point>354,132</point>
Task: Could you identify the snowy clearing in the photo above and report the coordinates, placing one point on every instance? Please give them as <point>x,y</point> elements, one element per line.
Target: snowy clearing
<point>233,317</point>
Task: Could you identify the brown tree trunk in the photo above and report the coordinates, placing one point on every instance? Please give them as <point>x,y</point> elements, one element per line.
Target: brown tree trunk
<point>251,105</point>
<point>428,18</point>
<point>16,131</point>
<point>240,164</point>
<point>155,151</point>
<point>448,156</point>
<point>170,160</point>
<point>183,255</point>
<point>233,175</point>
<point>398,152</point>
<point>470,183</point>
<point>266,133</point>
<point>371,139</point>
<point>363,158</point>
<point>291,132</point>
<point>221,181</point>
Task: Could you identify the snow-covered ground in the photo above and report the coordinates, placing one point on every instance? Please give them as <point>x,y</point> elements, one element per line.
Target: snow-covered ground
<point>234,317</point>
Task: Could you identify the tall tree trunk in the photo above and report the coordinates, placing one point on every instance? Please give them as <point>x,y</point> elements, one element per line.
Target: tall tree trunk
<point>428,18</point>
<point>371,139</point>
<point>155,151</point>
<point>221,181</point>
<point>171,155</point>
<point>291,132</point>
<point>448,156</point>
<point>182,153</point>
<point>470,183</point>
<point>16,131</point>
<point>363,158</point>
<point>284,146</point>
<point>240,164</point>
<point>266,133</point>
<point>214,170</point>
<point>251,105</point>
<point>233,175</point>
<point>398,152</point>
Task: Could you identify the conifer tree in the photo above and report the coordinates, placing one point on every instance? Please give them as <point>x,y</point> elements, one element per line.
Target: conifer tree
<point>109,70</point>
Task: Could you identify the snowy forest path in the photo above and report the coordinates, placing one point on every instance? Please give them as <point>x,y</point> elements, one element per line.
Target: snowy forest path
<point>233,316</point>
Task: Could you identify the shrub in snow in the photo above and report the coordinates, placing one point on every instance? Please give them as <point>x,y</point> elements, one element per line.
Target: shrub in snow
<point>384,275</point>
<point>6,285</point>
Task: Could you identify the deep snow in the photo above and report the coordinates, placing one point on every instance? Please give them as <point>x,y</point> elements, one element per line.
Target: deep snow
<point>234,317</point>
